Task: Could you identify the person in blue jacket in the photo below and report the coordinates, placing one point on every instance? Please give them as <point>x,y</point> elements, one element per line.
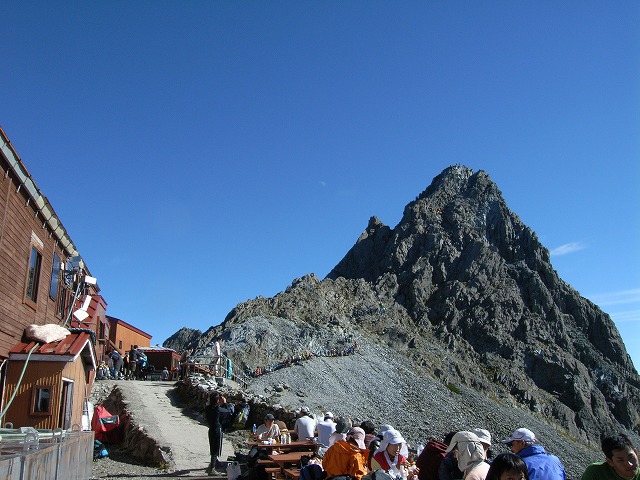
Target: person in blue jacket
<point>540,464</point>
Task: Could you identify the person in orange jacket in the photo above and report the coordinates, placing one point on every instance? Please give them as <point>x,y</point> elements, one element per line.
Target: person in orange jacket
<point>347,457</point>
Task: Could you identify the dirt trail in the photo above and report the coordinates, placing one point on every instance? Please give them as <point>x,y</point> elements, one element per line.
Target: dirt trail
<point>153,406</point>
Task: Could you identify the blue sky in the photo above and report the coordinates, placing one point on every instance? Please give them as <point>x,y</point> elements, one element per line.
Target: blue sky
<point>203,153</point>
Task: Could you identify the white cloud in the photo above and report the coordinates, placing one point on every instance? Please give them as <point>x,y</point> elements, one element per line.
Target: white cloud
<point>630,316</point>
<point>616,298</point>
<point>568,248</point>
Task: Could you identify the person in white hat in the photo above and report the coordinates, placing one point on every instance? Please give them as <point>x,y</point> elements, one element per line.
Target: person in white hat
<point>540,464</point>
<point>388,456</point>
<point>471,455</point>
<point>325,428</point>
<point>485,439</point>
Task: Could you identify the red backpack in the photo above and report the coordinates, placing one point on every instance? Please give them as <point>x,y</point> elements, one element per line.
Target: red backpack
<point>430,458</point>
<point>106,426</point>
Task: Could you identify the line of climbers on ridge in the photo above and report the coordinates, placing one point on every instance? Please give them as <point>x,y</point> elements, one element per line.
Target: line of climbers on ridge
<point>297,358</point>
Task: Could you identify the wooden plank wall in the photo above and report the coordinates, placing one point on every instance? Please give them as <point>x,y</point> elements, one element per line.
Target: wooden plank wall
<point>44,373</point>
<point>129,338</point>
<point>17,222</point>
<point>38,373</point>
<point>76,371</point>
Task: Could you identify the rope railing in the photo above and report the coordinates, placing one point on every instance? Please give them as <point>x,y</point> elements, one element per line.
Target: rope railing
<point>219,366</point>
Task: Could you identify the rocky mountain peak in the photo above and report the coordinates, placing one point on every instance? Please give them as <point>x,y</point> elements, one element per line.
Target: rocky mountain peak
<point>459,278</point>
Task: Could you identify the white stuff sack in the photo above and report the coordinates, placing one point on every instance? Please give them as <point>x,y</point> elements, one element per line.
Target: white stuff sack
<point>46,333</point>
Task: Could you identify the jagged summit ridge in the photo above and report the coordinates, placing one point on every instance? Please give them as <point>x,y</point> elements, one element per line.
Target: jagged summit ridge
<point>459,278</point>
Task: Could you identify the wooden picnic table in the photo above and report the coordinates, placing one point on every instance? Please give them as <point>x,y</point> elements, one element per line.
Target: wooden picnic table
<point>284,460</point>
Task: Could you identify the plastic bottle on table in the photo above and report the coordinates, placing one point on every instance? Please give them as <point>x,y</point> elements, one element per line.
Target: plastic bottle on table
<point>254,428</point>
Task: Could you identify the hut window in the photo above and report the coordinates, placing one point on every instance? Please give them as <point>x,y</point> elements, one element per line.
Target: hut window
<point>41,404</point>
<point>55,277</point>
<point>33,277</point>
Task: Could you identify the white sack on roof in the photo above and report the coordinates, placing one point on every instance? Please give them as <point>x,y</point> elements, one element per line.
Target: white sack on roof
<point>46,333</point>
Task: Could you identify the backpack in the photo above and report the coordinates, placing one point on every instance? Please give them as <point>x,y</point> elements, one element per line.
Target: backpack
<point>430,458</point>
<point>227,415</point>
<point>312,471</point>
<point>106,426</point>
<point>241,417</point>
<point>99,450</point>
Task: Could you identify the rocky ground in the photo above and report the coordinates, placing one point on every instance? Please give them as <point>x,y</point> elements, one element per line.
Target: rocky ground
<point>373,383</point>
<point>376,384</point>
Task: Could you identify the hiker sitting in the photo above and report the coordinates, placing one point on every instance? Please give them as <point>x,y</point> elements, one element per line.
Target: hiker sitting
<point>485,439</point>
<point>347,457</point>
<point>325,428</point>
<point>620,460</point>
<point>388,456</point>
<point>269,429</point>
<point>448,465</point>
<point>471,455</point>
<point>305,426</point>
<point>369,432</point>
<point>540,464</point>
<point>343,425</point>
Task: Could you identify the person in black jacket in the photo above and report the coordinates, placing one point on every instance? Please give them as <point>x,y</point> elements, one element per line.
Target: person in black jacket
<point>214,412</point>
<point>133,362</point>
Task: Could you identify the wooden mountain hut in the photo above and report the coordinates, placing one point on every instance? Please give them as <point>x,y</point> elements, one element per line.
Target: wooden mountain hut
<point>53,388</point>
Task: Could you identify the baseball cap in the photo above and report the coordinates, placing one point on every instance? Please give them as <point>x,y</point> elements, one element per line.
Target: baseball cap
<point>523,434</point>
<point>328,415</point>
<point>305,410</point>
<point>269,416</point>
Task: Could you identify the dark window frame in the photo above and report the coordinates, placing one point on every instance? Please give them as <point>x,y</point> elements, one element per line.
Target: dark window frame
<point>38,400</point>
<point>32,282</point>
<point>54,284</point>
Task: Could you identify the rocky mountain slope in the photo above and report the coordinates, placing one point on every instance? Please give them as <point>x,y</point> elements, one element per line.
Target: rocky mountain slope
<point>466,294</point>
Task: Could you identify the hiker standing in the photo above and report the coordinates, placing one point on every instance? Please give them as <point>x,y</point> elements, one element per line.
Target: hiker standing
<point>212,413</point>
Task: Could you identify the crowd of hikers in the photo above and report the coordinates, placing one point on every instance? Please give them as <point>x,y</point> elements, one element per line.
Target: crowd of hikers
<point>363,452</point>
<point>299,357</point>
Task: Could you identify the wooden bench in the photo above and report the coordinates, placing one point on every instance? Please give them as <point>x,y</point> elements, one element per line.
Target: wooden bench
<point>292,473</point>
<point>274,472</point>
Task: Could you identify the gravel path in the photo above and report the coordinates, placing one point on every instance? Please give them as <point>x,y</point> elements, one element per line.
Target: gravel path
<point>153,407</point>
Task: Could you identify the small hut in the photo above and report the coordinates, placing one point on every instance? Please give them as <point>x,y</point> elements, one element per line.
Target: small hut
<point>53,381</point>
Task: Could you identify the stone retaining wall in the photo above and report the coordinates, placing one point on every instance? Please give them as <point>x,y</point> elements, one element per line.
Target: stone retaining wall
<point>135,439</point>
<point>195,392</point>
